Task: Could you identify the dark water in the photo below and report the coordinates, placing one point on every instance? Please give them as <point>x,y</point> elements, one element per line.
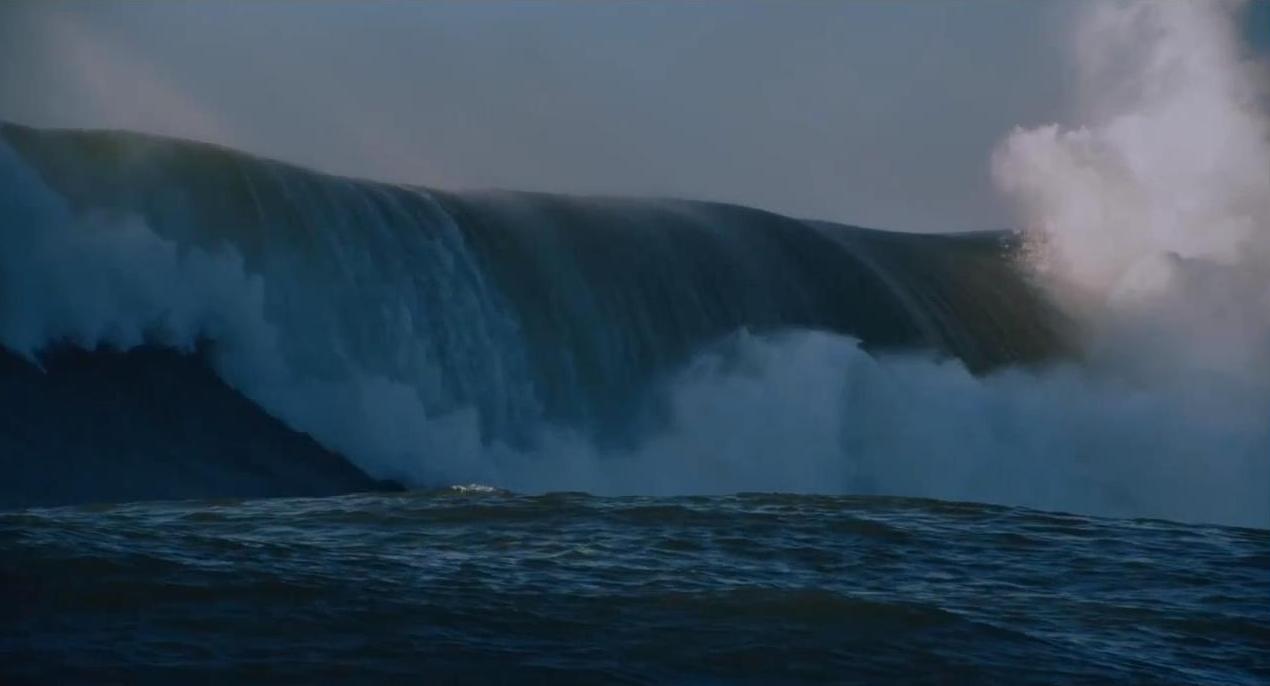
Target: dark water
<point>568,588</point>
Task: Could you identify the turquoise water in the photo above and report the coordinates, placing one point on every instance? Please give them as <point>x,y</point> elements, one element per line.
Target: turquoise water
<point>465,585</point>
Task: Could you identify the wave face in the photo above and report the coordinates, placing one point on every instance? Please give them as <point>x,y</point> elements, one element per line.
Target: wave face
<point>419,331</point>
<point>148,424</point>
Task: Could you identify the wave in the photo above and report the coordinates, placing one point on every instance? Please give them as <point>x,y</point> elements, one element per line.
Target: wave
<point>340,304</point>
<point>547,342</point>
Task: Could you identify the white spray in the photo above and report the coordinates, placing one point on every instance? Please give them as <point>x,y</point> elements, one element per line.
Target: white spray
<point>1154,217</point>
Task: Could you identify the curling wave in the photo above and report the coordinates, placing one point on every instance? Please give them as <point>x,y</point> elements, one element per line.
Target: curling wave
<point>232,321</point>
<point>384,319</point>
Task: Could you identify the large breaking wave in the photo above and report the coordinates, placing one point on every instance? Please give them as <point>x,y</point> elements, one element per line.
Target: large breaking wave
<point>542,342</point>
<point>417,331</point>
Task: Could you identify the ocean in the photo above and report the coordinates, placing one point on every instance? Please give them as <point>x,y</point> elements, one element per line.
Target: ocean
<point>473,585</point>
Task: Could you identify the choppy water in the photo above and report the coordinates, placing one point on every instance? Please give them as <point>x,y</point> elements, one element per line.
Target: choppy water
<point>569,588</point>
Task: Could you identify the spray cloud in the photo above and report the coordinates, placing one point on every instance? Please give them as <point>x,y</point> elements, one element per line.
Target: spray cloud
<point>1154,217</point>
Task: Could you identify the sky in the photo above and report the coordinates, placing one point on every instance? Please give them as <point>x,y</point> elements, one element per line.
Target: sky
<point>876,113</point>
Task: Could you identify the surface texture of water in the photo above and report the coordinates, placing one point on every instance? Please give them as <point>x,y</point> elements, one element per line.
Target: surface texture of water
<point>567,588</point>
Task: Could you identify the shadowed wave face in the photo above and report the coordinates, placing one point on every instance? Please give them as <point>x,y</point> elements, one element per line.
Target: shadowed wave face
<point>429,336</point>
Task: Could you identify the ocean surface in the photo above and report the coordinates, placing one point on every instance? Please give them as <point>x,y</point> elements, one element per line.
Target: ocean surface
<point>474,585</point>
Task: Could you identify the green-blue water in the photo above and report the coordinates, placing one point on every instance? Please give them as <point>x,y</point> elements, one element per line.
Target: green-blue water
<point>463,586</point>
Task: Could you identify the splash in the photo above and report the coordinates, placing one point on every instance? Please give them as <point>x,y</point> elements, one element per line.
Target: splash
<point>1154,218</point>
